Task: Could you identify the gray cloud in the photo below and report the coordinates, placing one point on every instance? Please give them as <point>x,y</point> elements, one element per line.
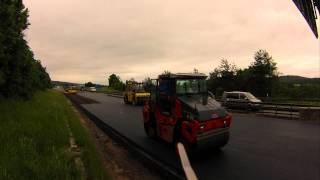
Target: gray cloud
<point>88,40</point>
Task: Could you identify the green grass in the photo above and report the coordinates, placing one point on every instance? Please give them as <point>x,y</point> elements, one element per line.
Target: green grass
<point>35,140</point>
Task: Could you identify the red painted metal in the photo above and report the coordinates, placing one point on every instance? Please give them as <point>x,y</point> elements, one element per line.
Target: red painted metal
<point>146,112</point>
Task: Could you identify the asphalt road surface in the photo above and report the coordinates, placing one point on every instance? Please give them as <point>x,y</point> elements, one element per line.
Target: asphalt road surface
<point>259,147</point>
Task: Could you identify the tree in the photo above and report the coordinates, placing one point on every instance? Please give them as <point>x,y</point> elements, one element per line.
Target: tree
<point>42,78</point>
<point>20,73</point>
<point>166,72</point>
<point>223,78</point>
<point>147,84</point>
<point>242,80</point>
<point>263,73</point>
<point>89,84</point>
<point>115,82</point>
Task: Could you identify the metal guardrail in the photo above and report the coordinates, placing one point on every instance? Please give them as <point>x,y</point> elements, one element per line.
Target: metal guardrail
<point>281,110</point>
<point>285,110</point>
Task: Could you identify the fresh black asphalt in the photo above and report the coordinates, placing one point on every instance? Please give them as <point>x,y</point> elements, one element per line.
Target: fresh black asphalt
<point>259,148</point>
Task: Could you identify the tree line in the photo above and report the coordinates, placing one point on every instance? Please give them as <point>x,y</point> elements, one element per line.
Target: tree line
<point>261,78</point>
<point>21,75</point>
<point>116,83</point>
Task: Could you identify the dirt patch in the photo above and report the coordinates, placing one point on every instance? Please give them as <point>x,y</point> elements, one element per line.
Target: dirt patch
<point>117,160</point>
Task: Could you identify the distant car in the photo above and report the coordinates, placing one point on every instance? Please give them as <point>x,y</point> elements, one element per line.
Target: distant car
<point>240,100</point>
<point>92,89</point>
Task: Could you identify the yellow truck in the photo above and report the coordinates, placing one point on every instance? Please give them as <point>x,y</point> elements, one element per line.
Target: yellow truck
<point>135,93</point>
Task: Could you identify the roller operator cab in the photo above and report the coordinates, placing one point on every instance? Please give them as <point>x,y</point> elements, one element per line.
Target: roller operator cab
<point>181,109</point>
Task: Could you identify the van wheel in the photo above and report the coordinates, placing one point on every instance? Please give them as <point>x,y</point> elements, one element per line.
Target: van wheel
<point>125,99</point>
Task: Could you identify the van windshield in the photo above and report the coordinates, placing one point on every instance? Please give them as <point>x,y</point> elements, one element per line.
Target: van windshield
<point>191,86</point>
<point>250,96</point>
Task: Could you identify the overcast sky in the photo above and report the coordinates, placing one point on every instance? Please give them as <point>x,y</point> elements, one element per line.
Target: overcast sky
<point>80,41</point>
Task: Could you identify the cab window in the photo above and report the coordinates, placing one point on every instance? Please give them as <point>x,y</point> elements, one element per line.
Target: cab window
<point>242,96</point>
<point>233,96</point>
<point>164,97</point>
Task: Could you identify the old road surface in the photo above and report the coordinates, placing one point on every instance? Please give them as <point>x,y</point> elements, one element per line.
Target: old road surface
<point>259,147</point>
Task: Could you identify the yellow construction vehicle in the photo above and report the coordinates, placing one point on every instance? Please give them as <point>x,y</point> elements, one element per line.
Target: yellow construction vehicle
<point>71,90</point>
<point>135,93</point>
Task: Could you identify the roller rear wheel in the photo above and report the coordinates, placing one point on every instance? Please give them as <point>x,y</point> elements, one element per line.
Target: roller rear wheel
<point>150,129</point>
<point>125,100</point>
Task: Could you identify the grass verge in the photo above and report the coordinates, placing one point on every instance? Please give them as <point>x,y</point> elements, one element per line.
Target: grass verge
<point>35,140</point>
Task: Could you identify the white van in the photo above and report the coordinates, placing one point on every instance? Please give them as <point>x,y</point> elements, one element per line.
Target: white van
<point>92,89</point>
<point>239,99</point>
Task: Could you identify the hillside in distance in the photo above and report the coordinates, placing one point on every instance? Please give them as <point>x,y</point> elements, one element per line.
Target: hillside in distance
<point>293,79</point>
